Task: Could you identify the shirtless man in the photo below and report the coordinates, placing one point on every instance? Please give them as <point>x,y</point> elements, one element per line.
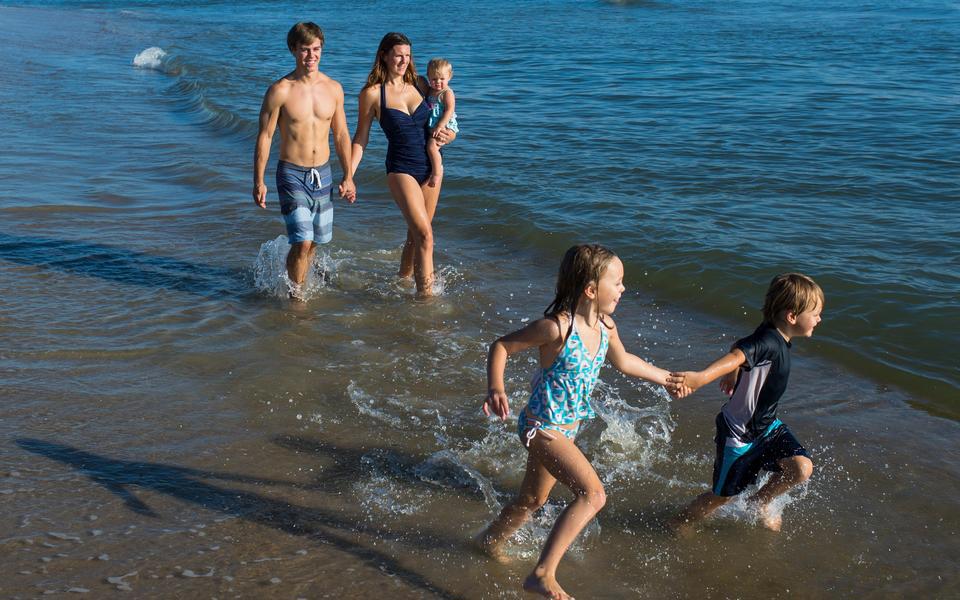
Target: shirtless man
<point>308,105</point>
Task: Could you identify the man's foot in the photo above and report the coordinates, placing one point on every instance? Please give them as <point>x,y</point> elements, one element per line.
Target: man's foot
<point>482,544</point>
<point>769,519</point>
<point>545,586</point>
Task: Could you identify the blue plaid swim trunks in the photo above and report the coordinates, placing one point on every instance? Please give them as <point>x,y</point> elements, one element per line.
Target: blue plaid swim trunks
<point>305,202</point>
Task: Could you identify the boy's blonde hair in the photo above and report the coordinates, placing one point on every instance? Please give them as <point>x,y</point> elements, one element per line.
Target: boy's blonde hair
<point>790,292</point>
<point>438,64</point>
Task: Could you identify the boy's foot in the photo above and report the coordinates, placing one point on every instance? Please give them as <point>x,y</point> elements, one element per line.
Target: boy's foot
<point>769,519</point>
<point>482,544</point>
<point>545,586</point>
<point>681,527</point>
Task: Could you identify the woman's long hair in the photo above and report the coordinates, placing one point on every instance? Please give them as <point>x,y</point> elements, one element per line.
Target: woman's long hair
<point>582,265</point>
<point>378,74</point>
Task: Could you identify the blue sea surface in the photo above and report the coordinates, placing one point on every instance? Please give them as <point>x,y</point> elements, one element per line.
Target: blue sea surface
<point>711,144</point>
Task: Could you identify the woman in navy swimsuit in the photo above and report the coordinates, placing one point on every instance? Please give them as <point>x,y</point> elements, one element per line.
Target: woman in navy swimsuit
<point>394,96</point>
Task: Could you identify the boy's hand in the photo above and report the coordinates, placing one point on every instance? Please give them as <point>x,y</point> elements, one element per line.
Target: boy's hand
<point>496,403</point>
<point>682,384</point>
<point>728,383</point>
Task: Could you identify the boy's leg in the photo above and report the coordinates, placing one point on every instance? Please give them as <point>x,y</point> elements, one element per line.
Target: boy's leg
<point>561,457</point>
<point>534,492</point>
<point>436,163</point>
<point>794,470</point>
<point>702,507</point>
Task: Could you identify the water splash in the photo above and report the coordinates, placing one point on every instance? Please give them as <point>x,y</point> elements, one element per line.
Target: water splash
<point>634,438</point>
<point>270,272</point>
<point>151,58</point>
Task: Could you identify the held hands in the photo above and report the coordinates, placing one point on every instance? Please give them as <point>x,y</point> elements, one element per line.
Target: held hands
<point>682,384</point>
<point>260,195</point>
<point>443,135</point>
<point>348,190</point>
<point>496,404</point>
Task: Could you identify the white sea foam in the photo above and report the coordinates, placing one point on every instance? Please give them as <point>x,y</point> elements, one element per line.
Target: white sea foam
<point>151,58</point>
<point>270,271</point>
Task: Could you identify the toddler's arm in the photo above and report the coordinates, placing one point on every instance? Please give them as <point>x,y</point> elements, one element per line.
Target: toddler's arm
<point>686,382</point>
<point>449,107</point>
<point>538,333</point>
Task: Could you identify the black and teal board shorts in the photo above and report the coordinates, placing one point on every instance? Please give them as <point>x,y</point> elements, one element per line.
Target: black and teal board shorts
<point>738,466</point>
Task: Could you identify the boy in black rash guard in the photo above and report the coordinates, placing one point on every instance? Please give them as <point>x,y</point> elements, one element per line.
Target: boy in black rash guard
<point>754,374</point>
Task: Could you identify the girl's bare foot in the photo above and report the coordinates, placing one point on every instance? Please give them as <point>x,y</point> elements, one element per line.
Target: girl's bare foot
<point>544,585</point>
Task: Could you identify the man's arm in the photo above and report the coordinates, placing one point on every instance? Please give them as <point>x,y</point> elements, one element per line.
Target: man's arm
<point>342,145</point>
<point>269,113</point>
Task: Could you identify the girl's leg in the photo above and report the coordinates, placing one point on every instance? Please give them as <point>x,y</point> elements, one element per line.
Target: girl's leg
<point>534,492</point>
<point>436,163</point>
<point>561,457</point>
<point>418,249</point>
<point>793,471</point>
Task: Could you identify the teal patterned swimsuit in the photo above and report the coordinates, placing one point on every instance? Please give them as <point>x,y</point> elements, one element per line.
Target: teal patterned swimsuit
<point>560,394</point>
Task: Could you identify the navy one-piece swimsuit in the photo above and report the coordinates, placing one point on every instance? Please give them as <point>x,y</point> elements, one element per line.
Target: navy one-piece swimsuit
<point>406,139</point>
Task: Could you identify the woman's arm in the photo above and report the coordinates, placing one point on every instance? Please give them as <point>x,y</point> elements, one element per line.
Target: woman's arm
<point>366,113</point>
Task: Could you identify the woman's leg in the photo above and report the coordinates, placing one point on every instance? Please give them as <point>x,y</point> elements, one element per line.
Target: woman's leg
<point>417,255</point>
<point>561,457</point>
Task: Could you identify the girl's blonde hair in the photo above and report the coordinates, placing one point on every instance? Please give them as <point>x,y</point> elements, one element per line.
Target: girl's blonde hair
<point>378,73</point>
<point>790,292</point>
<point>582,265</point>
<point>439,64</point>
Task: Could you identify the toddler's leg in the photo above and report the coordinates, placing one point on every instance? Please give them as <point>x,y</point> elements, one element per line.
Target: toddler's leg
<point>534,492</point>
<point>436,163</point>
<point>561,457</point>
<point>793,471</point>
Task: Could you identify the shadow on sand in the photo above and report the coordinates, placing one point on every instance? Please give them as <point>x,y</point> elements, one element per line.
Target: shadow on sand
<point>185,484</point>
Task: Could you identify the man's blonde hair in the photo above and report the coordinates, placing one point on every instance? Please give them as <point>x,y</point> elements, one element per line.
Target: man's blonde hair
<point>790,292</point>
<point>438,64</point>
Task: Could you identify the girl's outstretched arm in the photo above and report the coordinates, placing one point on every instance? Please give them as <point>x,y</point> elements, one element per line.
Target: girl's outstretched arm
<point>686,382</point>
<point>539,333</point>
<point>631,364</point>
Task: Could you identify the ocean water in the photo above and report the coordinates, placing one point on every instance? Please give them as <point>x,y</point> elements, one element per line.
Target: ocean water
<point>172,426</point>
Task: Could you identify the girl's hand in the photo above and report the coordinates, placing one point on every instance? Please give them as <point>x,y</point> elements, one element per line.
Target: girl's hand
<point>681,385</point>
<point>496,404</point>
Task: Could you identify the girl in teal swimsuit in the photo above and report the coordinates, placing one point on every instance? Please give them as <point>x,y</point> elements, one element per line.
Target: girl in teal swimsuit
<point>574,337</point>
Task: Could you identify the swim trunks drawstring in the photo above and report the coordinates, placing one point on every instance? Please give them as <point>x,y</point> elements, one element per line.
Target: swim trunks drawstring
<point>314,178</point>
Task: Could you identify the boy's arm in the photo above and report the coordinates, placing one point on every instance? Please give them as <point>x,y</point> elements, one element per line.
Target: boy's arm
<point>631,364</point>
<point>686,382</point>
<point>341,143</point>
<point>269,113</point>
<point>449,107</point>
<point>538,333</point>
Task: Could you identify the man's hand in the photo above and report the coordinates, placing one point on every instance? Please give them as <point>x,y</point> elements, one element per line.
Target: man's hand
<point>348,190</point>
<point>260,195</point>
